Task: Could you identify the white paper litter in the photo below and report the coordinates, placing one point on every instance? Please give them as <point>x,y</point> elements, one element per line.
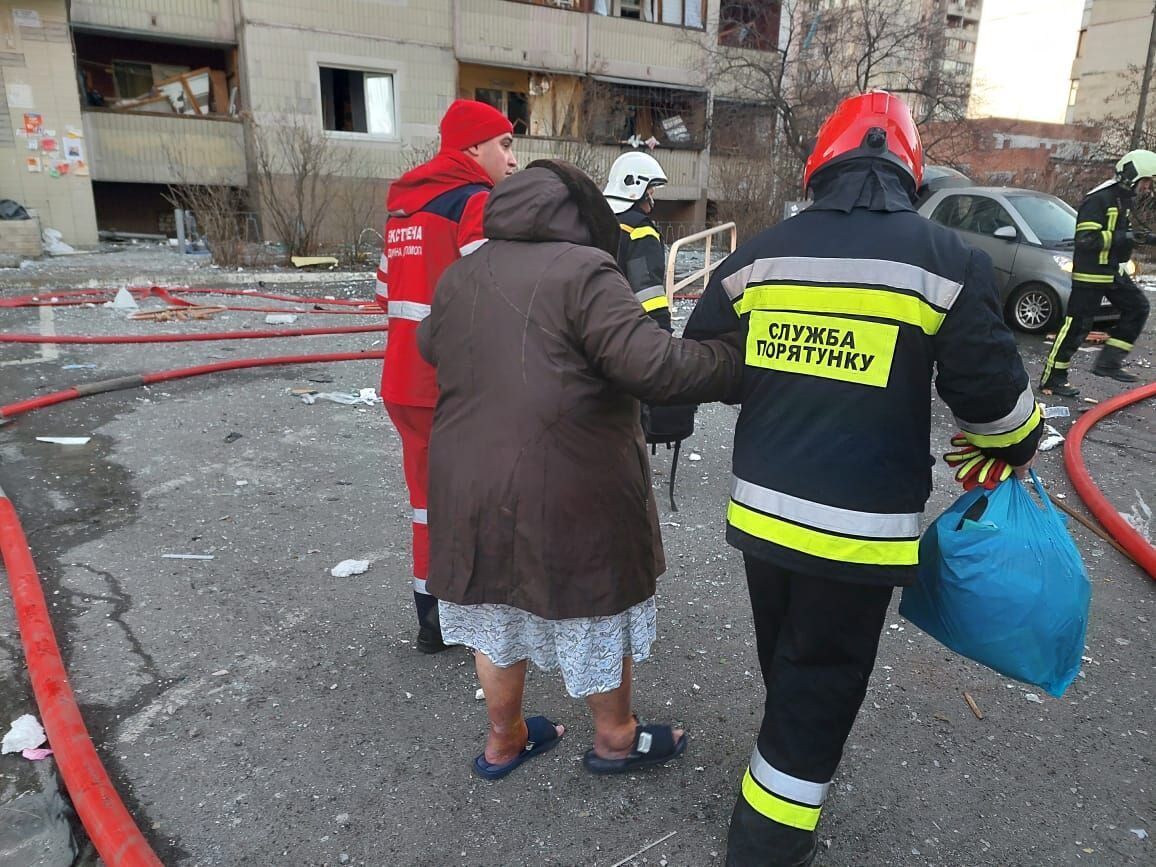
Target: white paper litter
<point>695,456</point>
<point>1057,412</point>
<point>1139,832</point>
<point>1140,518</point>
<point>64,441</point>
<point>123,301</point>
<point>1053,438</point>
<point>26,733</point>
<point>187,556</point>
<point>280,319</point>
<point>364,397</point>
<point>1033,698</point>
<point>480,694</point>
<point>349,567</point>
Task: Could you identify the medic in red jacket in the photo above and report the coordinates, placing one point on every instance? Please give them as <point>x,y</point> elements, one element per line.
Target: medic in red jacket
<point>435,218</point>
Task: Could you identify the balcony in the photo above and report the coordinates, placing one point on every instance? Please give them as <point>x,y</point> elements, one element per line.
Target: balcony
<point>573,38</point>
<point>501,33</point>
<point>208,20</point>
<point>165,149</point>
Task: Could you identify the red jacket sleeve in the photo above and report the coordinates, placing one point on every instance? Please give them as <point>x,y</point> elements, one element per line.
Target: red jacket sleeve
<point>470,235</point>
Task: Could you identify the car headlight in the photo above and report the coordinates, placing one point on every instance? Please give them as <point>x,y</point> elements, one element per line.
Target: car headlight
<point>1065,262</point>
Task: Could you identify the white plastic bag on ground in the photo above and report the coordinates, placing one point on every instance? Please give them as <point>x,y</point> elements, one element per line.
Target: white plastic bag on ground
<point>346,568</point>
<point>26,733</point>
<point>52,243</point>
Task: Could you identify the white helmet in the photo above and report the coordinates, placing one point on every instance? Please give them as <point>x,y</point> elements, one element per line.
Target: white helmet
<point>630,177</point>
<point>1135,166</point>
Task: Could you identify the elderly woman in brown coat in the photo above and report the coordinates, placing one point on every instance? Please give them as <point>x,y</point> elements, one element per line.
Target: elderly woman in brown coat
<point>543,526</point>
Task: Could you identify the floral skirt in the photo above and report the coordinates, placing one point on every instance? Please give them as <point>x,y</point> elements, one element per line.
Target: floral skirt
<point>588,650</point>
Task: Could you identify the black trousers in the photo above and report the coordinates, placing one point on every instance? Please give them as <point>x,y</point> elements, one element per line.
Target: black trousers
<point>1083,305</point>
<point>817,641</point>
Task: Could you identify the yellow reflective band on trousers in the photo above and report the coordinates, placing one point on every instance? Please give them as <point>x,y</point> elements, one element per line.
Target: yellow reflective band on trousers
<point>778,810</point>
<point>1093,278</point>
<point>656,303</point>
<point>849,350</point>
<point>1052,362</point>
<point>844,300</point>
<point>871,552</point>
<point>998,441</point>
<point>1117,343</point>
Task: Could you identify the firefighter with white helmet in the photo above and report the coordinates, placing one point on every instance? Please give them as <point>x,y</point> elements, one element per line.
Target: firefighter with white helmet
<point>1103,245</point>
<point>642,258</point>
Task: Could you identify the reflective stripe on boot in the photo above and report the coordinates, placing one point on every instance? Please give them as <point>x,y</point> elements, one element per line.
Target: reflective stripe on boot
<point>756,841</point>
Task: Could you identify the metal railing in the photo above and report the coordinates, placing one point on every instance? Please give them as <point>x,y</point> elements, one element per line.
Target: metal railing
<point>705,235</point>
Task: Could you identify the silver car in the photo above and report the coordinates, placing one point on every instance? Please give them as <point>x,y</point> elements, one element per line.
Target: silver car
<point>1029,236</point>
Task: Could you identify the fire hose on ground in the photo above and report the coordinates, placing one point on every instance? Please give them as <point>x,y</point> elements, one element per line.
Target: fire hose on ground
<point>98,806</point>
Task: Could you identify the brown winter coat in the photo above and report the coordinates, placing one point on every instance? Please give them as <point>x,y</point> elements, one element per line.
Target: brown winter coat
<point>539,483</point>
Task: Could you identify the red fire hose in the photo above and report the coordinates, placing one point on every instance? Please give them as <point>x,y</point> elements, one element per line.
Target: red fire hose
<point>180,338</point>
<point>105,818</point>
<point>1124,533</point>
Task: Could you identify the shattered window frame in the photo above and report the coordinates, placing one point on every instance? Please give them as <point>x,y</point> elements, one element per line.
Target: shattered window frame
<point>615,113</point>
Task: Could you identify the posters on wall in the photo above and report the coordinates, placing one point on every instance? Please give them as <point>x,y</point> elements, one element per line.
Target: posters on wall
<point>56,157</point>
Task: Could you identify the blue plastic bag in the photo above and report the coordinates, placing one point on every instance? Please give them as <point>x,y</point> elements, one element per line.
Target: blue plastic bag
<point>1001,582</point>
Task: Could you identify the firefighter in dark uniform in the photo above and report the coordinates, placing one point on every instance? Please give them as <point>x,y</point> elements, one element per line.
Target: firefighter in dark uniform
<point>848,311</point>
<point>642,259</point>
<point>1104,244</point>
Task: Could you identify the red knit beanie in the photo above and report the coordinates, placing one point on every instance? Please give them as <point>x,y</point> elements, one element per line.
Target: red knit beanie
<point>467,123</point>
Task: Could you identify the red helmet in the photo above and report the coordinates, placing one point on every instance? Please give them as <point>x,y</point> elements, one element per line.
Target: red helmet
<point>871,124</point>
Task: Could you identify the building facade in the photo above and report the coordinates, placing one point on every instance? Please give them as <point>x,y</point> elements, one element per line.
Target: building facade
<point>174,92</point>
<point>1112,47</point>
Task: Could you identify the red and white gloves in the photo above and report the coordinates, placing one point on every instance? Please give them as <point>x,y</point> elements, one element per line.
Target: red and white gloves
<point>973,468</point>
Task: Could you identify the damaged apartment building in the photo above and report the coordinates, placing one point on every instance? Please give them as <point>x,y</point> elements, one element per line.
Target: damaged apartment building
<point>167,93</point>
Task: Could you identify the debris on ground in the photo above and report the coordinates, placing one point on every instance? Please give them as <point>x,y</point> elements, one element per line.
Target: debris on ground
<point>1139,832</point>
<point>309,261</point>
<point>26,733</point>
<point>179,314</point>
<point>64,441</point>
<point>1033,698</point>
<point>1057,411</point>
<point>36,754</point>
<point>971,704</point>
<point>1052,439</point>
<point>186,556</point>
<point>346,568</point>
<point>122,301</point>
<point>51,240</point>
<point>365,396</point>
<point>1140,517</point>
<point>280,319</point>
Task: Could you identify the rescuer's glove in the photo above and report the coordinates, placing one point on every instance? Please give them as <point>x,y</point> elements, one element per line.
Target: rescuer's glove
<point>973,468</point>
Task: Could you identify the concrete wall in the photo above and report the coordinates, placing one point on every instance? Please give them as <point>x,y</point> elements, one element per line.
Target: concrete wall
<point>165,149</point>
<point>211,20</point>
<point>1116,39</point>
<point>36,68</point>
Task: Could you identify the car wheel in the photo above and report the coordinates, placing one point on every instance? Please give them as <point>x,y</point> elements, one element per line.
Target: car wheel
<point>1034,308</point>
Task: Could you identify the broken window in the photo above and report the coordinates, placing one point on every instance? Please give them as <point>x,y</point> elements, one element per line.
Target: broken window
<point>617,113</point>
<point>167,77</point>
<point>353,100</point>
<point>750,24</point>
<point>513,104</point>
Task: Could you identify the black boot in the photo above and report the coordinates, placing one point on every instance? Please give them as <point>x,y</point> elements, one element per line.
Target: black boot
<point>756,841</point>
<point>1109,363</point>
<point>429,631</point>
<point>1058,385</point>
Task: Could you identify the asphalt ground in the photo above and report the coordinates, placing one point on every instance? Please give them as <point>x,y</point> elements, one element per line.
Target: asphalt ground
<point>253,709</point>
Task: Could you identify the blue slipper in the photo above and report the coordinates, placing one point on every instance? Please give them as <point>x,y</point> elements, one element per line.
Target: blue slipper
<point>541,737</point>
<point>653,745</point>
